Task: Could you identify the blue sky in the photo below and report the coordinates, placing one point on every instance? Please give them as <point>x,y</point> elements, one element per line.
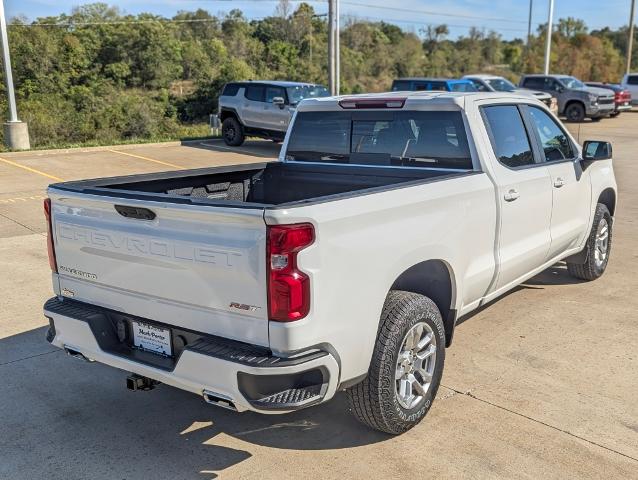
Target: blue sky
<point>508,17</point>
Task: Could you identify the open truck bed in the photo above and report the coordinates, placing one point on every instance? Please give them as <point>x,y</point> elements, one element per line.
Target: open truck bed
<point>276,184</point>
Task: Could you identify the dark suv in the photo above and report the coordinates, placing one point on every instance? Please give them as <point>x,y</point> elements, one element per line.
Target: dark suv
<point>575,99</point>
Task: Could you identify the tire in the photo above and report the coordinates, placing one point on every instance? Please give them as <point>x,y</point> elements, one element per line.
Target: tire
<point>232,132</point>
<point>575,112</point>
<point>597,250</point>
<point>377,401</point>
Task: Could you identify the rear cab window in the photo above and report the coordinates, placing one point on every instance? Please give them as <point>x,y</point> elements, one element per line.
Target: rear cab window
<point>401,85</point>
<point>230,89</point>
<point>383,138</point>
<point>632,80</point>
<point>537,83</point>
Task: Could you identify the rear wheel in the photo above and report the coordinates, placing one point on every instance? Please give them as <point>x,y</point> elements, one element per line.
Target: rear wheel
<point>233,132</point>
<point>598,247</point>
<point>406,367</point>
<point>575,112</point>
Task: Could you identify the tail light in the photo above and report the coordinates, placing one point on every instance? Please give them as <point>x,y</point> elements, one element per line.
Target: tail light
<point>50,248</point>
<point>288,287</point>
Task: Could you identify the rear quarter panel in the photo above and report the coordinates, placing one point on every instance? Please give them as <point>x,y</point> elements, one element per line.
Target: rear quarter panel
<point>364,243</point>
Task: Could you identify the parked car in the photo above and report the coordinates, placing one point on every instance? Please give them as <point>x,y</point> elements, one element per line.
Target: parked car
<point>261,108</point>
<point>630,82</point>
<point>439,84</point>
<point>622,96</point>
<point>575,99</point>
<point>344,266</point>
<point>494,83</point>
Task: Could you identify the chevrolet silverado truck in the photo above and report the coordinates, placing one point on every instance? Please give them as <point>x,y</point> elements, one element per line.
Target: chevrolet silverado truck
<point>345,265</point>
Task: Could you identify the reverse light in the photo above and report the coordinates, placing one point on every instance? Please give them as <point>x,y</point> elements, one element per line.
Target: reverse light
<point>50,247</point>
<point>288,287</point>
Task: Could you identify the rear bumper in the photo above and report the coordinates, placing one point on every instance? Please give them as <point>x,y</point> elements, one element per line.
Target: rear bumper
<point>621,107</point>
<point>243,376</point>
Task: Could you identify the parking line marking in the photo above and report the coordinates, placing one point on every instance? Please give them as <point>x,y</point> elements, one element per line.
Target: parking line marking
<point>32,170</point>
<point>21,199</point>
<point>147,159</point>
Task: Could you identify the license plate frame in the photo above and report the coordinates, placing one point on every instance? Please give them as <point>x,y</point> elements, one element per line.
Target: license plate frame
<point>151,338</point>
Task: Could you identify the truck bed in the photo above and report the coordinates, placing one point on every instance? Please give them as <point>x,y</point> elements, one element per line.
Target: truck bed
<point>260,184</point>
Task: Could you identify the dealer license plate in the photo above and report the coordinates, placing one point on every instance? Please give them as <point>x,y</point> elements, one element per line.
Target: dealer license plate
<point>152,338</point>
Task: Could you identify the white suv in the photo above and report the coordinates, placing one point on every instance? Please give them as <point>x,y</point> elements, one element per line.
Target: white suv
<point>630,82</point>
<point>261,108</point>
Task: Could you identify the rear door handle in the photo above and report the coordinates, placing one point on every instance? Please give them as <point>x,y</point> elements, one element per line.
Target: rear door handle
<point>559,182</point>
<point>511,195</point>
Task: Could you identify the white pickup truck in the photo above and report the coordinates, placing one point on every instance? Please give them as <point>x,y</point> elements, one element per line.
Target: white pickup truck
<point>344,266</point>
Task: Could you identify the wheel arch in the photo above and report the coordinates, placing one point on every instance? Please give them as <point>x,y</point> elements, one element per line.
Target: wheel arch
<point>608,198</point>
<point>572,101</point>
<point>434,279</point>
<point>227,112</point>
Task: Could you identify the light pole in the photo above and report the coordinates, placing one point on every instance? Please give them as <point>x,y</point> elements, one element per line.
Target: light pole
<point>333,47</point>
<point>630,40</point>
<point>548,40</point>
<point>529,24</point>
<point>16,133</point>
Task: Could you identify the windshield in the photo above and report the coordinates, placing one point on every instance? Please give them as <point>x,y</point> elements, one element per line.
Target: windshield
<point>298,93</point>
<point>571,82</point>
<point>463,87</point>
<point>500,85</point>
<point>385,138</point>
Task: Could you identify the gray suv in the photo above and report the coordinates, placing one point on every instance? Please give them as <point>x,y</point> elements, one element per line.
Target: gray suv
<point>261,108</point>
<point>575,99</point>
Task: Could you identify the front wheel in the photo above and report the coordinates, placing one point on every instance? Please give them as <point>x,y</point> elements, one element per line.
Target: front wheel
<point>575,112</point>
<point>598,247</point>
<point>406,367</point>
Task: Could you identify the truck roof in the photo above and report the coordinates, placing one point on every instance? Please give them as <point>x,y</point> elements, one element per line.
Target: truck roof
<point>430,79</point>
<point>426,96</point>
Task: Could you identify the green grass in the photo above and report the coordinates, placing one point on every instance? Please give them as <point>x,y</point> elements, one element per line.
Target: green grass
<point>185,133</point>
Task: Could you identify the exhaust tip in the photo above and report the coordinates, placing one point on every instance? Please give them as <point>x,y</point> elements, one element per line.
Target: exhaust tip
<point>219,400</point>
<point>77,354</point>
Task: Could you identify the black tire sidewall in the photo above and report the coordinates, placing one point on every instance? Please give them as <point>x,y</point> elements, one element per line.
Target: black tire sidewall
<point>601,212</point>
<point>581,113</point>
<point>238,137</point>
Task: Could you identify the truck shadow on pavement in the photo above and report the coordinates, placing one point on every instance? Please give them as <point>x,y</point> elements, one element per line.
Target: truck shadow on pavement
<point>80,418</point>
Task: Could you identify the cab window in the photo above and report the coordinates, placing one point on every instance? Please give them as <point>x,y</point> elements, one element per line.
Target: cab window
<point>255,93</point>
<point>554,141</point>
<point>272,92</point>
<point>508,135</point>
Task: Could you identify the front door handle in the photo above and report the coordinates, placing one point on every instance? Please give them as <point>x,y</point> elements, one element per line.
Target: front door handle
<point>559,182</point>
<point>511,195</point>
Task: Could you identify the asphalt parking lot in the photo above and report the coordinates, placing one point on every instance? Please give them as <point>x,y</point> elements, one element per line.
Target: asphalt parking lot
<point>540,384</point>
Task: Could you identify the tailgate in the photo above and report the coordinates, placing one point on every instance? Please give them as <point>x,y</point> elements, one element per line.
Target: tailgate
<point>199,267</point>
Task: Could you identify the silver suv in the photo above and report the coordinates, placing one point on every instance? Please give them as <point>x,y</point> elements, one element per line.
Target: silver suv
<point>261,108</point>
<point>575,99</point>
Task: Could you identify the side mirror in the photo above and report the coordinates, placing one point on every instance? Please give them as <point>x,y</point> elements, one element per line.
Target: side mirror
<point>596,150</point>
<point>279,101</point>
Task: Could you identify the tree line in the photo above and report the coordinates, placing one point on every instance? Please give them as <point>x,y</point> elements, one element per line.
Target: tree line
<point>99,76</point>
